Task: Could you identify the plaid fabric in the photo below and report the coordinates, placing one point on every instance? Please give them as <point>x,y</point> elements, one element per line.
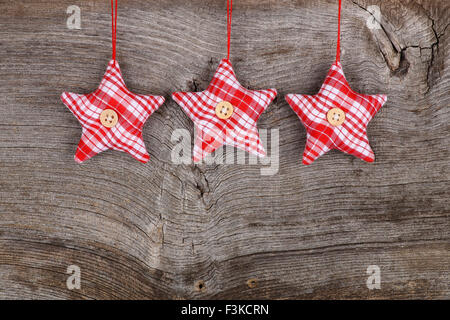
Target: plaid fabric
<point>240,129</point>
<point>133,110</point>
<point>351,136</point>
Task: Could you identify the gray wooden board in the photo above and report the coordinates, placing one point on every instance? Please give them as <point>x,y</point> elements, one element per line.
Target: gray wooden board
<point>153,231</point>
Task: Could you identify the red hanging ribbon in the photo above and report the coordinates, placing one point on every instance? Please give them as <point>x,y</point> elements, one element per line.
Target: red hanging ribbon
<point>114,26</point>
<point>229,16</point>
<point>338,50</point>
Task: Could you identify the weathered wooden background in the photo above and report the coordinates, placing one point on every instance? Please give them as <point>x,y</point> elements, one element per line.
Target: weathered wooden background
<point>156,230</point>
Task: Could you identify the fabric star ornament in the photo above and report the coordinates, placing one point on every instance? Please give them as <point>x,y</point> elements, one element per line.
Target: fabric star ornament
<point>336,117</point>
<point>112,117</point>
<point>225,113</point>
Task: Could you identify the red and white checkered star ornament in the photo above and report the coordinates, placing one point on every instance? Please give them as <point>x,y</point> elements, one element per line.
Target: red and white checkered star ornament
<point>112,117</point>
<point>131,111</point>
<point>323,134</point>
<point>225,113</point>
<point>336,117</point>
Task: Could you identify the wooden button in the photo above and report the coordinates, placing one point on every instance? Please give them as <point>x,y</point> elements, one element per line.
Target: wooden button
<point>336,117</point>
<point>224,110</point>
<point>109,118</point>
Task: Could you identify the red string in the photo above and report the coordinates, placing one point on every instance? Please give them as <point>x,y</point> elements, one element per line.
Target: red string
<point>229,16</point>
<point>114,26</point>
<point>338,50</point>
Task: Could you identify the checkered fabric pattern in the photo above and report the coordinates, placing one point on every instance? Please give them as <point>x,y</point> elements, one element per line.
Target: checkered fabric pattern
<point>351,136</point>
<point>132,109</point>
<point>240,129</point>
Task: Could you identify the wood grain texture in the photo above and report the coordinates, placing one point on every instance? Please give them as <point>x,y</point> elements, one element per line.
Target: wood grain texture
<point>153,231</point>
